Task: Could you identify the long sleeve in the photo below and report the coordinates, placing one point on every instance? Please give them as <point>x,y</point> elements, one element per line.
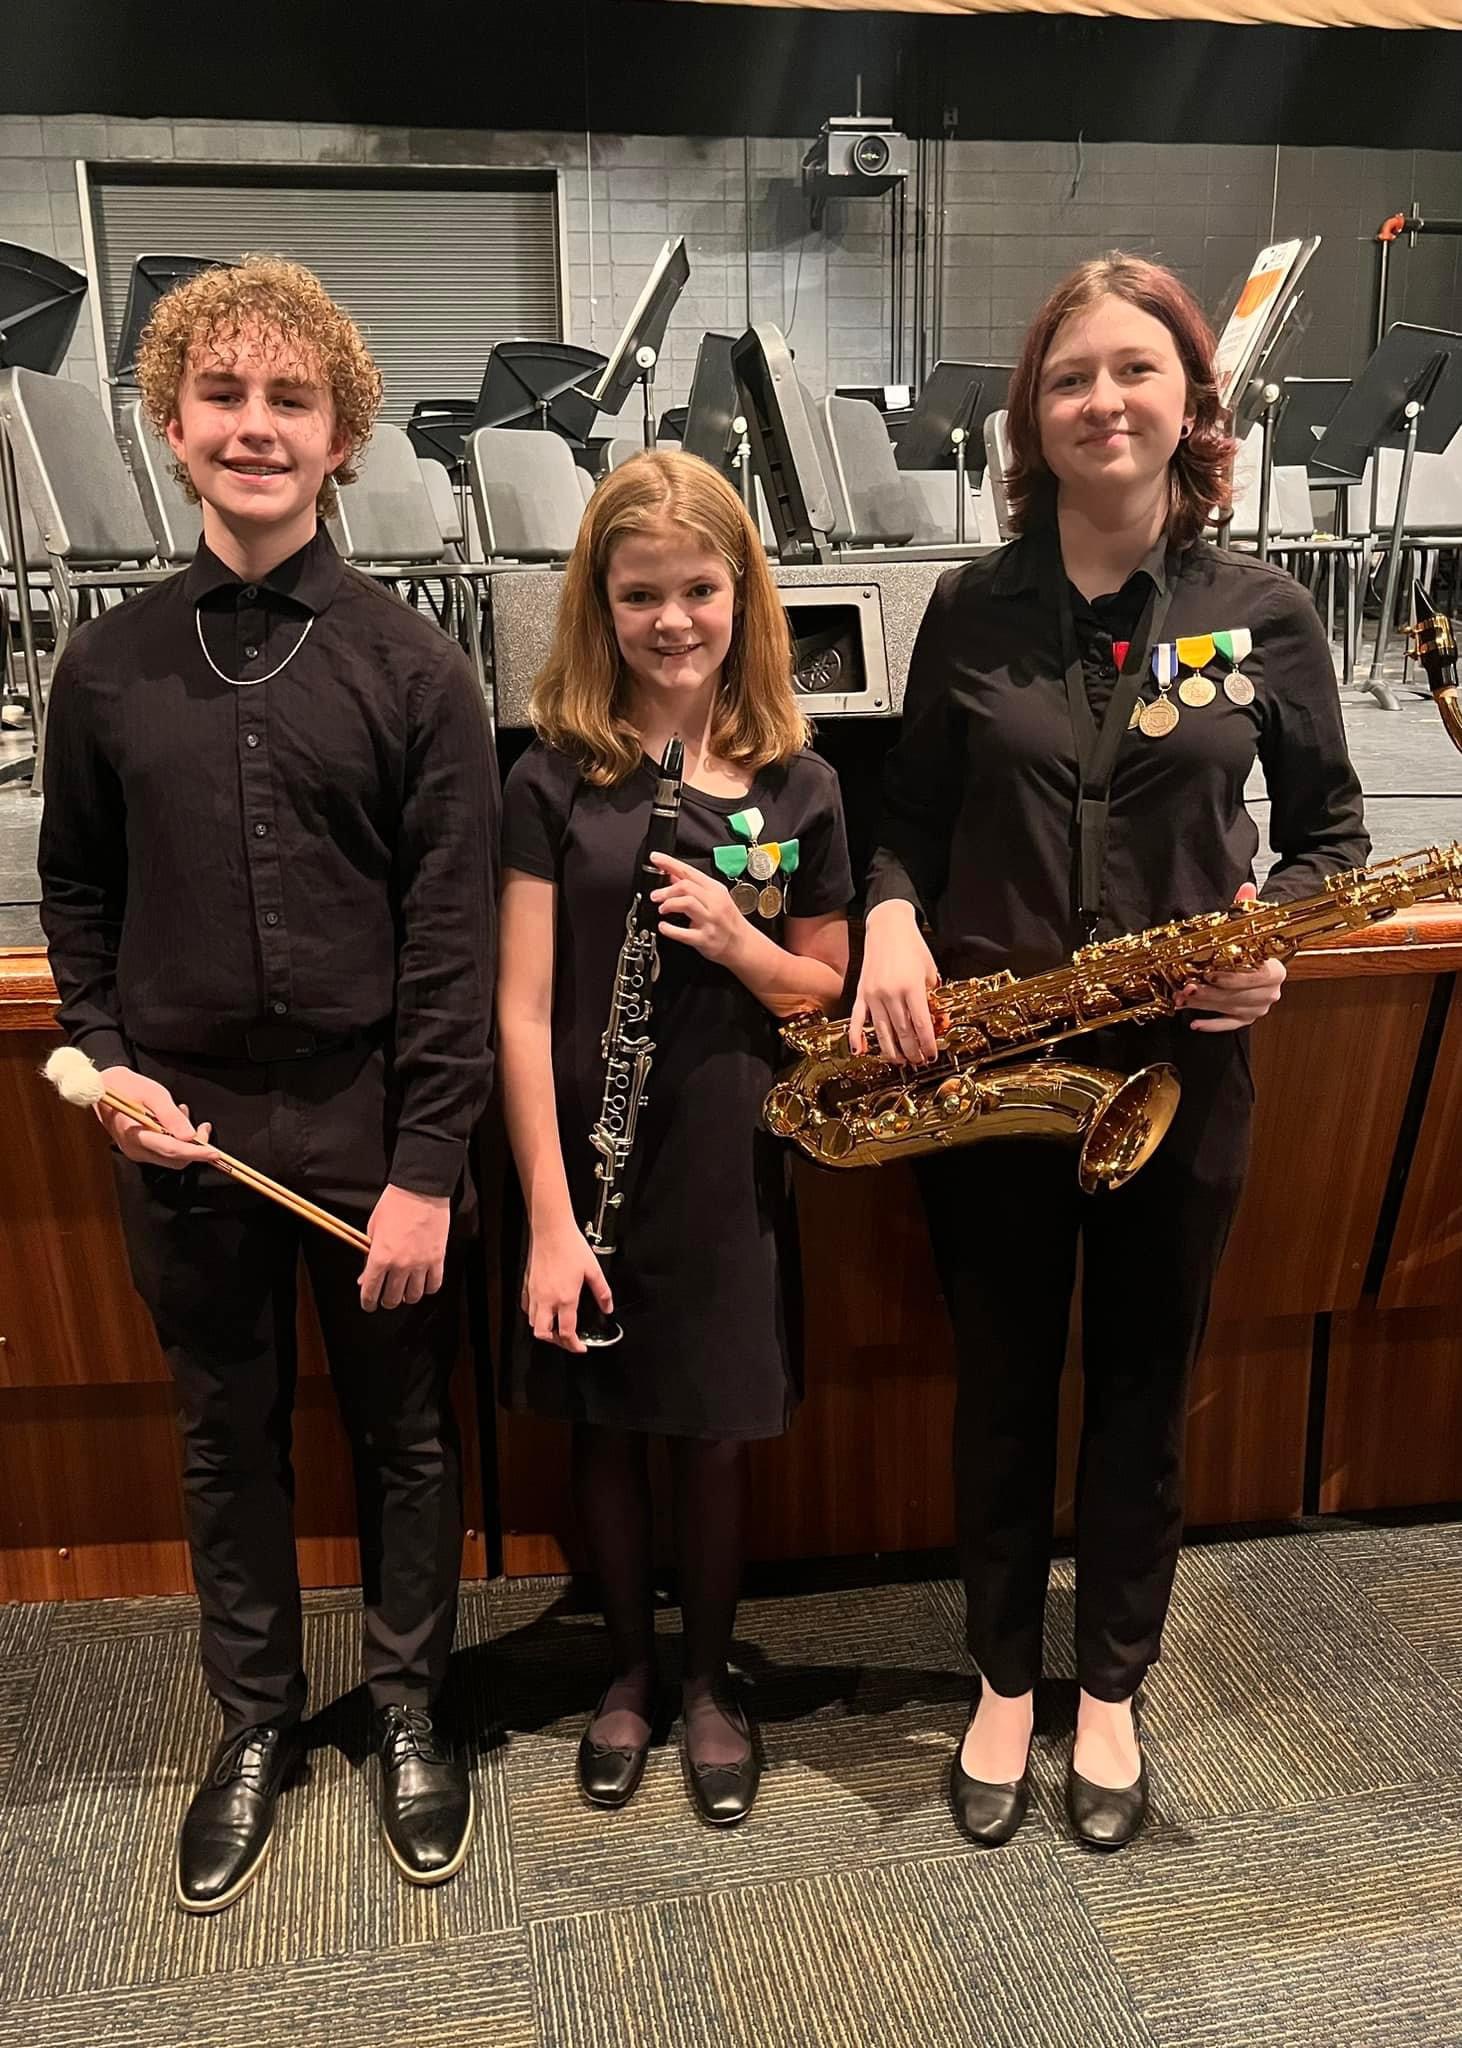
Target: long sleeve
<point>923,777</point>
<point>446,893</point>
<point>1316,819</point>
<point>83,866</point>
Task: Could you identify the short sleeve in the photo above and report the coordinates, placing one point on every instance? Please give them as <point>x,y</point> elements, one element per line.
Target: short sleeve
<point>824,879</point>
<point>537,800</point>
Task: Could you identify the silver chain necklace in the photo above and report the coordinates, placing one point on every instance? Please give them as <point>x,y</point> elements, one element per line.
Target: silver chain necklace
<point>248,682</point>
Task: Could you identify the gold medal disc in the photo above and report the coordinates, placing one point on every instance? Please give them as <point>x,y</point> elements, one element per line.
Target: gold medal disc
<point>1237,688</point>
<point>760,864</point>
<point>1136,719</point>
<point>770,901</point>
<point>1159,718</point>
<point>744,896</point>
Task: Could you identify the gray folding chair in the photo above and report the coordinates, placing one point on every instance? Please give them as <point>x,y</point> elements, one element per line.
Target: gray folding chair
<point>586,483</point>
<point>176,522</point>
<point>445,508</point>
<point>873,506</point>
<point>387,526</point>
<point>94,530</point>
<point>526,489</point>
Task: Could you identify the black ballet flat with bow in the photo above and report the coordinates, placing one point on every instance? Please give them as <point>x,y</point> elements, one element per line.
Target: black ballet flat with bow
<point>723,1794</point>
<point>609,1773</point>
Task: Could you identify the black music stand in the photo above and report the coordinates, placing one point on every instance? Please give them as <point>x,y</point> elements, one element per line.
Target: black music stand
<point>783,445</point>
<point>715,424</point>
<point>40,303</point>
<point>152,276</point>
<point>1308,406</point>
<point>948,423</point>
<point>539,384</point>
<point>1408,396</point>
<point>438,430</point>
<point>638,349</point>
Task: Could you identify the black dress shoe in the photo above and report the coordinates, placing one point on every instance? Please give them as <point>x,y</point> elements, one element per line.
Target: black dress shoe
<point>1106,1817</point>
<point>426,1797</point>
<point>723,1794</point>
<point>227,1829</point>
<point>610,1773</point>
<point>985,1814</point>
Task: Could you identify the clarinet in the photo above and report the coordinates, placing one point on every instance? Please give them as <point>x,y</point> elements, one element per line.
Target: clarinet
<point>628,1048</point>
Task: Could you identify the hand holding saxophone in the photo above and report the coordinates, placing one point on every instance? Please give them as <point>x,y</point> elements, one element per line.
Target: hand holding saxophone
<point>894,985</point>
<point>1232,1001</point>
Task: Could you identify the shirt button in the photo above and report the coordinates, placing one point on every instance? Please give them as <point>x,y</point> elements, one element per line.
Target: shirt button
<point>251,653</point>
<point>279,1009</point>
<point>261,831</point>
<point>252,740</point>
<point>250,591</point>
<point>271,917</point>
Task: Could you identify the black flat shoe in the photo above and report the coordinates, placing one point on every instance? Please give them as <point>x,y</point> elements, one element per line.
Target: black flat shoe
<point>609,1773</point>
<point>985,1814</point>
<point>1105,1817</point>
<point>426,1797</point>
<point>229,1824</point>
<point>723,1794</point>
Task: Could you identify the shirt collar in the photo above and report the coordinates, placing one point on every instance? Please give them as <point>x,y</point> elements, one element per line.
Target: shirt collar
<point>308,578</point>
<point>1035,556</point>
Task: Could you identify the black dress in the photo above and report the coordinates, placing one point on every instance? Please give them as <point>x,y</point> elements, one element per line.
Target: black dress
<point>706,1275</point>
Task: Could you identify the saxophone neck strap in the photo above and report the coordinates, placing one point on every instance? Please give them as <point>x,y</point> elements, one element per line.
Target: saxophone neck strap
<point>1096,749</point>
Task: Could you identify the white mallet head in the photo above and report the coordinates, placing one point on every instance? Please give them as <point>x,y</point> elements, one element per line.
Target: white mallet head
<point>73,1076</point>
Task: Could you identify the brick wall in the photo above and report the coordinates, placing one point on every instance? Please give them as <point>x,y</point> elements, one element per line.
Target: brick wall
<point>1018,215</point>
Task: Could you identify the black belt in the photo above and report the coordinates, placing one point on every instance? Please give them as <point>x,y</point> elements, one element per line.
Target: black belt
<point>266,1044</point>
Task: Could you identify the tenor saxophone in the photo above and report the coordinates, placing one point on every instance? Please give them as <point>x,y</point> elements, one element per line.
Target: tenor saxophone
<point>862,1109</point>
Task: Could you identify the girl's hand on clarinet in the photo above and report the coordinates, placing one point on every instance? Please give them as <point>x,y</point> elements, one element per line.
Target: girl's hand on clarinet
<point>893,988</point>
<point>1234,999</point>
<point>561,1264</point>
<point>182,1146</point>
<point>713,925</point>
<point>408,1235</point>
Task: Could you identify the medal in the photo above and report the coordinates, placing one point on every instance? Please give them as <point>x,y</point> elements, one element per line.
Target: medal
<point>1196,651</point>
<point>750,868</point>
<point>1234,647</point>
<point>1158,718</point>
<point>1136,719</point>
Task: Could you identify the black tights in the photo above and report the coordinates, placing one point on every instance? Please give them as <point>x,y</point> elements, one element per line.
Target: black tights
<point>613,1500</point>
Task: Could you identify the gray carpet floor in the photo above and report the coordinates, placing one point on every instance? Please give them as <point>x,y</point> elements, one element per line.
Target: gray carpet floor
<point>1300,1886</point>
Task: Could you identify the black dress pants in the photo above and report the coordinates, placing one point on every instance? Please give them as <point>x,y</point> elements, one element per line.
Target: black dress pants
<point>217,1267</point>
<point>1005,1220</point>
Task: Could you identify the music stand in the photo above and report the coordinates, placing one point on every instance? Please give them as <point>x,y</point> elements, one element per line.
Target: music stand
<point>783,444</point>
<point>40,303</point>
<point>438,430</point>
<point>954,395</point>
<point>637,351</point>
<point>1309,405</point>
<point>1408,396</point>
<point>152,276</point>
<point>715,425</point>
<point>539,384</point>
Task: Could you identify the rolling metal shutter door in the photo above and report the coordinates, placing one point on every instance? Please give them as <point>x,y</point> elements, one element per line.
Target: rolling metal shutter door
<point>434,275</point>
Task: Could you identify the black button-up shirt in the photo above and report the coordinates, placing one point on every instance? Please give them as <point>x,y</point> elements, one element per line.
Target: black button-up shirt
<point>275,805</point>
<point>980,792</point>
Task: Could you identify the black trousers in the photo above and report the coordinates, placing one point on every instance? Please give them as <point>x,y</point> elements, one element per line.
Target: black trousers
<point>217,1267</point>
<point>1006,1219</point>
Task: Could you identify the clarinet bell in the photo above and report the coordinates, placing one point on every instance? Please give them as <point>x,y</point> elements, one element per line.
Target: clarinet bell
<point>597,1330</point>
